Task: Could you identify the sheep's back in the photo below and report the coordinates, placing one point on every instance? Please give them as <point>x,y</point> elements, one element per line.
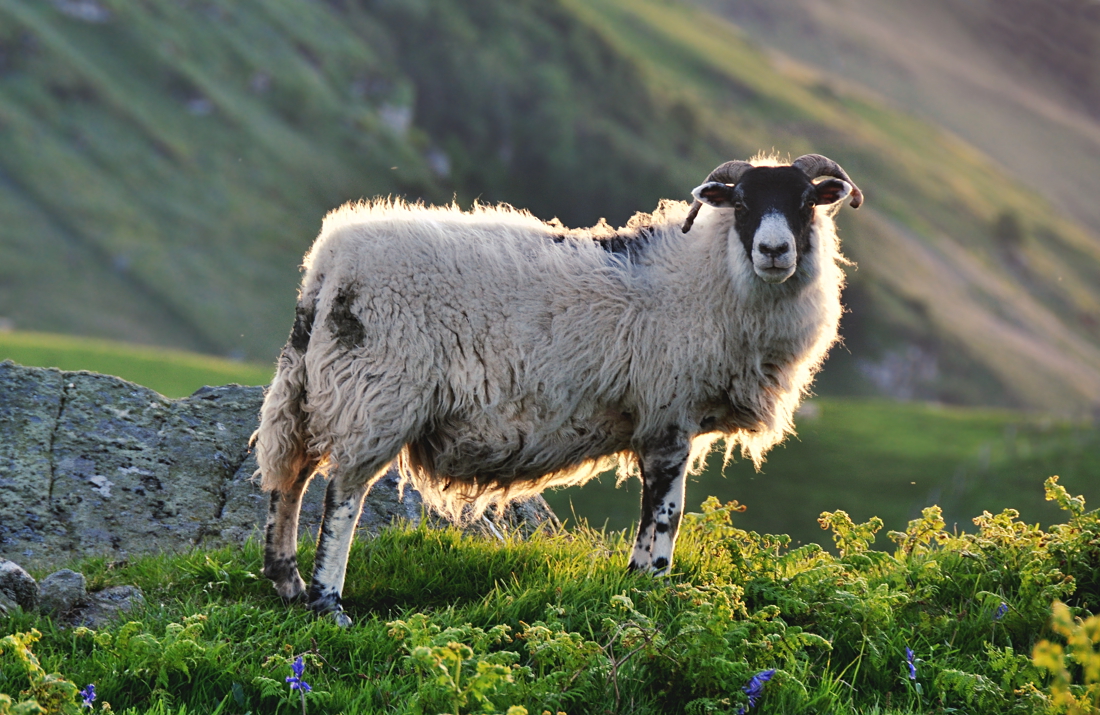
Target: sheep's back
<point>491,312</point>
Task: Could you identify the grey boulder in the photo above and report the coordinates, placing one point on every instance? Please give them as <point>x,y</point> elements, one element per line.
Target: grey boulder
<point>17,587</point>
<point>62,592</point>
<point>104,606</point>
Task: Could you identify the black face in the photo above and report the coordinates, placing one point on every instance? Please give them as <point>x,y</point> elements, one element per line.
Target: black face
<point>773,214</point>
<point>780,190</point>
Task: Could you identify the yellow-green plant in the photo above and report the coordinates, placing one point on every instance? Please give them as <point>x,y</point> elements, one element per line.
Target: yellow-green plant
<point>48,693</point>
<point>144,655</point>
<point>850,538</point>
<point>453,674</point>
<point>1082,649</point>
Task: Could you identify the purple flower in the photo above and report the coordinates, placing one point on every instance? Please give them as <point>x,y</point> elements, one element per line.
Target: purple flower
<point>88,693</point>
<point>909,660</point>
<point>296,682</point>
<point>755,688</point>
<point>1001,611</point>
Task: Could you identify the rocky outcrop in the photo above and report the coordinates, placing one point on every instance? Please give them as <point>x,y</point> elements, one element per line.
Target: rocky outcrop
<point>93,465</point>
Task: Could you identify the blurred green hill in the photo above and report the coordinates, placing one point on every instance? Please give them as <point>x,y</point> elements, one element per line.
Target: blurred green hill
<point>164,165</point>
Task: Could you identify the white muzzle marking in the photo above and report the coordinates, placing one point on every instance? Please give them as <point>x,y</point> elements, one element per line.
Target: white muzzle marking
<point>773,251</point>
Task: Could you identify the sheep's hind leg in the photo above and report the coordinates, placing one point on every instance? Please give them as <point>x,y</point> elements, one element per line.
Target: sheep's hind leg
<point>343,504</point>
<point>664,464</point>
<point>281,537</point>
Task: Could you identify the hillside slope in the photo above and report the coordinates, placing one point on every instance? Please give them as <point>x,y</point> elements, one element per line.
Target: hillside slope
<point>1017,79</point>
<point>163,166</point>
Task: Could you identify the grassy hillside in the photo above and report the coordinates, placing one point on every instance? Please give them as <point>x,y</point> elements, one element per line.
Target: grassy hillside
<point>1015,78</point>
<point>172,373</point>
<point>163,166</point>
<point>164,170</point>
<point>940,622</point>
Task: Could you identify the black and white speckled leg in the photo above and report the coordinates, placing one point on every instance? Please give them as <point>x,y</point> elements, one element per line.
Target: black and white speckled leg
<point>343,504</point>
<point>281,538</point>
<point>664,463</point>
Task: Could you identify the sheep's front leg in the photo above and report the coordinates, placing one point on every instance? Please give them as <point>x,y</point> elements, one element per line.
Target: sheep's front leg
<point>343,504</point>
<point>281,537</point>
<point>663,463</point>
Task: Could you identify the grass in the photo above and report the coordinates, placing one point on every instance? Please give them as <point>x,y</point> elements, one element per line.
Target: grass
<point>453,623</point>
<point>172,373</point>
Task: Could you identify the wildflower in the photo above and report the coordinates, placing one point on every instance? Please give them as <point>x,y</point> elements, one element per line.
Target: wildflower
<point>755,688</point>
<point>910,661</point>
<point>1001,611</point>
<point>296,682</point>
<point>88,693</point>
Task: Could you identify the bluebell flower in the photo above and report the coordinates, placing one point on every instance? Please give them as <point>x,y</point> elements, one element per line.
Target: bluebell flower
<point>755,688</point>
<point>1001,611</point>
<point>88,693</point>
<point>296,682</point>
<point>909,660</point>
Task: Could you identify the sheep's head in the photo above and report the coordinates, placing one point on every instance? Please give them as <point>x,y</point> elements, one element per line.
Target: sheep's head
<point>774,207</point>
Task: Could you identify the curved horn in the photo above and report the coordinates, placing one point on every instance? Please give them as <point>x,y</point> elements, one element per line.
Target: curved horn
<point>815,165</point>
<point>728,173</point>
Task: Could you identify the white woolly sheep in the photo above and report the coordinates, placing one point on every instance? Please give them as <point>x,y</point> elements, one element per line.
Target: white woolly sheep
<point>493,355</point>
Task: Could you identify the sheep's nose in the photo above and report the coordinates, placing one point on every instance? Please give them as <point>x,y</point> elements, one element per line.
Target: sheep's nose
<point>775,251</point>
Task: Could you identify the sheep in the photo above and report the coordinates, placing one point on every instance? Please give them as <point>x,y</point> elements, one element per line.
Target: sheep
<point>492,355</point>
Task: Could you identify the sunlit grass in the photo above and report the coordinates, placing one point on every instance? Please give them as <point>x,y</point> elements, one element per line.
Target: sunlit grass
<point>574,632</point>
<point>173,373</point>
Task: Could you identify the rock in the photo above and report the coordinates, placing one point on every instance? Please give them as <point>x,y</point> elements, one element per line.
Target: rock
<point>64,597</point>
<point>30,401</point>
<point>7,605</point>
<point>526,516</point>
<point>17,586</point>
<point>94,465</point>
<point>62,592</point>
<point>105,606</point>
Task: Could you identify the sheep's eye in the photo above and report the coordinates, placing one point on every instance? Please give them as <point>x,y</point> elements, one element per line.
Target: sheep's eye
<point>738,205</point>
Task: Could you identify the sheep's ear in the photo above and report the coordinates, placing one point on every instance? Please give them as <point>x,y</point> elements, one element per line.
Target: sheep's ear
<point>714,193</point>
<point>830,191</point>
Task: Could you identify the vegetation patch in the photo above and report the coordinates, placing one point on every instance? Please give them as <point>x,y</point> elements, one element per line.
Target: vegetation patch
<point>998,620</point>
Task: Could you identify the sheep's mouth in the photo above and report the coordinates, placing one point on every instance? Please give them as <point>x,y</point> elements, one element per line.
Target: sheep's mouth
<point>774,273</point>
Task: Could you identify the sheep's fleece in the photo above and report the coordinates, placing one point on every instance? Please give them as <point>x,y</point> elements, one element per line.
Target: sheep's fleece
<point>495,355</point>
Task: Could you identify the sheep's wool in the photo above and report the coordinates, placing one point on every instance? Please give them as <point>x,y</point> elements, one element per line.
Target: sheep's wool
<point>494,355</point>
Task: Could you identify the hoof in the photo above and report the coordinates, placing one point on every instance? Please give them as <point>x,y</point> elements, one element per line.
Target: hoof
<point>329,605</point>
<point>292,590</point>
<point>283,573</point>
